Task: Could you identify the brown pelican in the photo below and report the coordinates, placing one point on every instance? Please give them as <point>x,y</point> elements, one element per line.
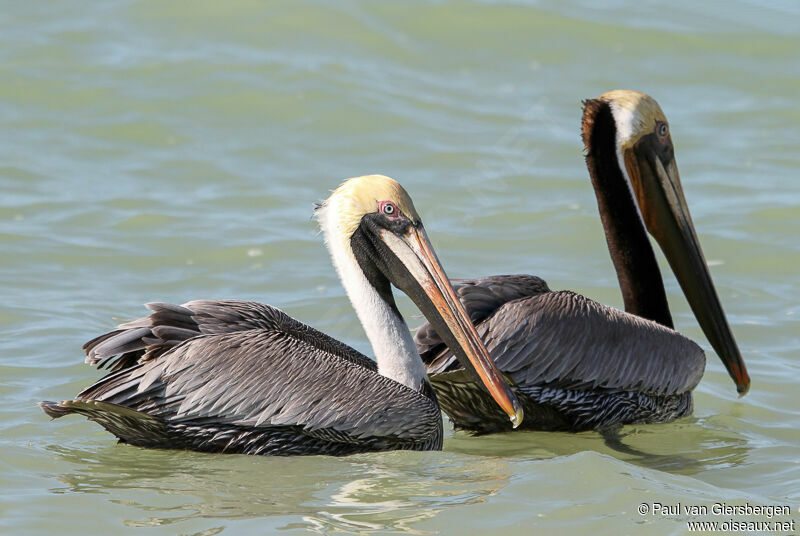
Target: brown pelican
<point>243,377</point>
<point>576,364</point>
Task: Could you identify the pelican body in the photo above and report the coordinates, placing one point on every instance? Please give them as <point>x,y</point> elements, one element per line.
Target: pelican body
<point>576,364</point>
<point>244,377</point>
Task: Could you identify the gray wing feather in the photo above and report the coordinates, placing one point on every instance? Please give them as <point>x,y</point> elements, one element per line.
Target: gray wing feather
<point>565,340</point>
<point>274,372</point>
<point>481,298</point>
<point>168,325</point>
<point>123,341</point>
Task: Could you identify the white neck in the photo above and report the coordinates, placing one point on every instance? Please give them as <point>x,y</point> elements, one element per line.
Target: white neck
<point>624,121</point>
<point>392,344</point>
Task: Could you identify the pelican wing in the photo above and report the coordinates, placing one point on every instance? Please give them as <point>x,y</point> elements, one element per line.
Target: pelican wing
<point>565,340</point>
<point>168,325</point>
<point>481,298</point>
<point>279,372</point>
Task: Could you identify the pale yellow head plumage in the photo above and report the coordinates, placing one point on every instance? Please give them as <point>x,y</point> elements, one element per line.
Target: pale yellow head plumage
<point>635,114</point>
<point>359,196</point>
<point>394,243</point>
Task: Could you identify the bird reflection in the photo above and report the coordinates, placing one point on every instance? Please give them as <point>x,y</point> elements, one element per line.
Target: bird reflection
<point>688,446</point>
<point>363,493</point>
<point>366,493</point>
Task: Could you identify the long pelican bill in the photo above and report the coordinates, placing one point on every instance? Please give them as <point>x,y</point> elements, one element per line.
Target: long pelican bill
<point>657,186</point>
<point>413,249</point>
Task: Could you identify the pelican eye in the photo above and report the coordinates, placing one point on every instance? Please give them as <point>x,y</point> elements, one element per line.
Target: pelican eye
<point>388,208</point>
<point>662,129</point>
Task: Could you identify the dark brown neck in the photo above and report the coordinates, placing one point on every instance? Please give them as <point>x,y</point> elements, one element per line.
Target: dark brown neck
<point>637,270</point>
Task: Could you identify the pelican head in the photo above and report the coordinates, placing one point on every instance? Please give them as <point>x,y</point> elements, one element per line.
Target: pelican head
<point>376,237</point>
<point>646,159</point>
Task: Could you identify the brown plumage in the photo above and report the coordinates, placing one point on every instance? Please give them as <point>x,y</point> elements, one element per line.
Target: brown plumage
<point>577,364</point>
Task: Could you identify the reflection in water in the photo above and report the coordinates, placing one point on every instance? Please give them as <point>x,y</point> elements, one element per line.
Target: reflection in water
<point>366,493</point>
<point>687,447</point>
<point>363,493</point>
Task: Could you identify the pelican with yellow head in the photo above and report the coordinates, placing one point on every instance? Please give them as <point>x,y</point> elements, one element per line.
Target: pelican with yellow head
<point>243,377</point>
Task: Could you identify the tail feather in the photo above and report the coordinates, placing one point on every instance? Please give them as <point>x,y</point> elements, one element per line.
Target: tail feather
<point>54,409</point>
<point>127,424</point>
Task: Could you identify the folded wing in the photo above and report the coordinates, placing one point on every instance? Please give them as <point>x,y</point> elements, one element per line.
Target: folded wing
<point>564,340</point>
<point>250,367</point>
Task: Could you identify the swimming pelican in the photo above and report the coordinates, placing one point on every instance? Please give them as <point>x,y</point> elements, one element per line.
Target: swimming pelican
<point>243,377</point>
<point>576,364</point>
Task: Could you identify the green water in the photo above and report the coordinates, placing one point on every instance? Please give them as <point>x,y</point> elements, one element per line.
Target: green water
<point>173,150</point>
